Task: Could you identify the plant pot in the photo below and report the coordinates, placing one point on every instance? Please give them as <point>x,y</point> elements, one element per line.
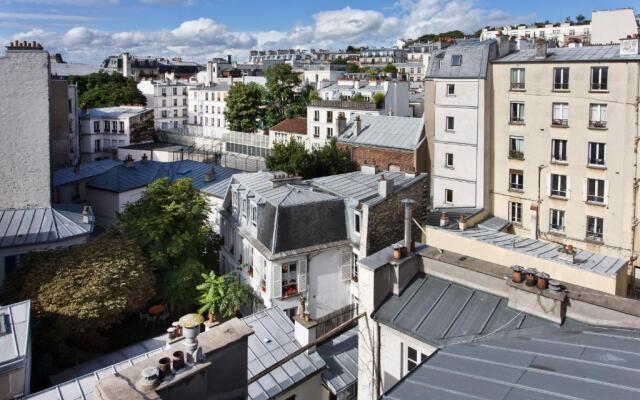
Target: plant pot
<point>516,275</point>
<point>543,281</point>
<point>164,366</point>
<point>403,251</point>
<point>397,253</point>
<point>530,279</point>
<point>178,360</point>
<point>171,331</point>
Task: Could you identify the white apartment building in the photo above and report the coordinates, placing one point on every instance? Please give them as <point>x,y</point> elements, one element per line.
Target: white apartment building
<point>207,103</point>
<point>324,118</point>
<point>103,130</point>
<point>315,74</point>
<point>565,142</point>
<point>380,57</point>
<point>458,125</point>
<point>169,101</point>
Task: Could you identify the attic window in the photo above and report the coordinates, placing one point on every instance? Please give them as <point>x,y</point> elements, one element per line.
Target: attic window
<point>4,324</point>
<point>456,60</point>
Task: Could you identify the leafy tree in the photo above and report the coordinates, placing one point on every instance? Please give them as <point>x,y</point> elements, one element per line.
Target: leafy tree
<point>358,98</point>
<point>293,158</point>
<point>330,160</point>
<point>313,95</point>
<point>353,50</point>
<point>78,291</point>
<point>102,89</point>
<point>580,18</point>
<point>169,223</point>
<point>378,99</point>
<point>339,61</point>
<point>221,296</point>
<point>282,100</point>
<point>244,102</point>
<point>352,68</point>
<point>390,69</point>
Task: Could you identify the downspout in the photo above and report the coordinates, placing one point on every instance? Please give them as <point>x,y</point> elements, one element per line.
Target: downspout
<point>634,221</point>
<point>377,392</point>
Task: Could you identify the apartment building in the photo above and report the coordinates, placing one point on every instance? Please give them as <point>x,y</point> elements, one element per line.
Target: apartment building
<point>565,144</point>
<point>380,57</point>
<point>103,130</point>
<point>140,67</point>
<point>65,123</point>
<point>169,100</point>
<point>458,122</point>
<point>207,103</point>
<point>314,74</point>
<point>289,129</point>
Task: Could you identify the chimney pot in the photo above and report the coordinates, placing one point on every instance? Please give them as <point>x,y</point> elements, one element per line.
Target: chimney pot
<point>149,379</point>
<point>408,219</point>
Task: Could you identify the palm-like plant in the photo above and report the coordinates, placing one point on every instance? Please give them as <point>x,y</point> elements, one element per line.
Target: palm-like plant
<point>221,296</point>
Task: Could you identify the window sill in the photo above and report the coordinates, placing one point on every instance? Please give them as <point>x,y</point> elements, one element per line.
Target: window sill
<point>521,123</point>
<point>517,90</point>
<point>557,197</point>
<point>597,166</point>
<point>556,232</point>
<point>560,126</point>
<point>595,203</point>
<point>449,131</point>
<point>517,224</point>
<point>561,90</point>
<point>449,167</point>
<point>512,190</point>
<point>599,91</point>
<point>594,240</point>
<point>597,128</point>
<point>516,158</point>
<point>559,162</point>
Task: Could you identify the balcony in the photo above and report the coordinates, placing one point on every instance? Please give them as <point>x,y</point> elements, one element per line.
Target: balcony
<point>598,124</point>
<point>516,155</point>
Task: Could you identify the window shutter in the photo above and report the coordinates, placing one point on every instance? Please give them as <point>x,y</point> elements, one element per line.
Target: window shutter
<point>603,113</point>
<point>584,190</point>
<point>606,192</point>
<point>345,266</point>
<point>568,187</point>
<point>276,282</point>
<point>548,184</point>
<point>302,275</point>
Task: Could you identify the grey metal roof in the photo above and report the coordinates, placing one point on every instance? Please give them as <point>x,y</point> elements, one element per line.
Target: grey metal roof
<point>569,54</point>
<point>154,146</point>
<point>219,186</point>
<point>341,355</point>
<point>494,223</point>
<point>403,133</point>
<point>68,175</point>
<point>14,344</point>
<point>587,364</point>
<point>218,87</point>
<point>437,311</point>
<point>475,60</point>
<point>273,339</point>
<point>115,112</point>
<point>73,69</point>
<point>122,179</point>
<point>364,187</point>
<point>585,260</point>
<point>30,226</point>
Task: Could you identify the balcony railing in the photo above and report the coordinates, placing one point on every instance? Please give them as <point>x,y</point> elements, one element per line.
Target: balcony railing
<point>597,124</point>
<point>560,122</point>
<point>516,154</point>
<point>559,193</point>
<point>594,198</point>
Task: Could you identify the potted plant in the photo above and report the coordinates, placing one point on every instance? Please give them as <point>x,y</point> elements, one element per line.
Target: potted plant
<point>462,224</point>
<point>221,296</point>
<point>397,251</point>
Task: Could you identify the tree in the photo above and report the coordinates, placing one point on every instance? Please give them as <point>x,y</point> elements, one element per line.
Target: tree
<point>352,68</point>
<point>313,95</point>
<point>330,160</point>
<point>244,102</point>
<point>358,98</point>
<point>78,291</point>
<point>339,61</point>
<point>580,18</point>
<point>283,101</point>
<point>293,158</point>
<point>221,296</point>
<point>390,69</point>
<point>378,99</point>
<point>169,222</point>
<point>101,89</point>
<point>353,50</point>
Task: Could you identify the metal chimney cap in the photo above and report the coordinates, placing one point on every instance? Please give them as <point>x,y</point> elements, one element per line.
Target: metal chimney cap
<point>149,373</point>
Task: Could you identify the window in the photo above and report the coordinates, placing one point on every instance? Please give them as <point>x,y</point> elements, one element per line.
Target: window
<point>560,114</point>
<point>356,222</point>
<point>516,180</point>
<point>517,78</point>
<point>96,126</point>
<point>558,150</point>
<point>561,79</point>
<point>456,60</point>
<point>558,185</point>
<point>175,91</point>
<point>450,124</point>
<point>329,116</point>
<point>244,207</point>
<point>289,278</point>
<point>175,113</point>
<point>516,147</point>
<point>234,201</point>
<point>254,214</point>
<point>354,269</point>
<point>594,228</point>
<point>595,190</point>
<point>451,89</point>
<point>121,126</point>
<point>448,160</point>
<point>97,145</point>
<point>517,113</point>
<point>329,133</point>
<point>346,265</point>
<point>164,113</point>
<point>175,102</point>
<point>515,212</point>
<point>598,116</point>
<point>107,126</point>
<point>412,359</point>
<point>599,78</point>
<point>164,91</point>
<point>448,196</point>
<point>556,220</point>
<point>596,154</point>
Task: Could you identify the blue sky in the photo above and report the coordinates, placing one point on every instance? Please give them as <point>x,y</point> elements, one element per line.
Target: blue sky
<point>87,30</point>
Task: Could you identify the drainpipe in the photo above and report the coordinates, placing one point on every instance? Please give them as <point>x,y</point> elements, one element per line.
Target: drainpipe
<point>377,392</point>
<point>537,228</point>
<point>634,221</point>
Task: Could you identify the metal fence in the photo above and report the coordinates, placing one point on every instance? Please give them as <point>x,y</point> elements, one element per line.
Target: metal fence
<point>335,319</point>
<point>243,162</point>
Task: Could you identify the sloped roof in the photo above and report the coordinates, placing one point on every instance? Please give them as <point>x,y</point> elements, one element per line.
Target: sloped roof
<point>568,54</point>
<point>475,60</point>
<point>404,133</point>
<point>68,175</point>
<point>341,355</point>
<point>292,125</point>
<point>274,340</point>
<point>582,363</point>
<point>14,344</point>
<point>30,226</point>
<point>115,112</point>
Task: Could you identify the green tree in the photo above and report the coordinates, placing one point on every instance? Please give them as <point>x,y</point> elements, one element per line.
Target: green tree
<point>313,95</point>
<point>290,157</point>
<point>378,99</point>
<point>390,69</point>
<point>282,100</point>
<point>580,18</point>
<point>353,50</point>
<point>244,107</point>
<point>330,160</point>
<point>352,68</point>
<point>170,224</point>
<point>221,296</point>
<point>339,61</point>
<point>102,89</point>
<point>358,98</point>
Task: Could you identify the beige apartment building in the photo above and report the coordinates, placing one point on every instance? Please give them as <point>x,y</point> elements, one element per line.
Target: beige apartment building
<point>565,145</point>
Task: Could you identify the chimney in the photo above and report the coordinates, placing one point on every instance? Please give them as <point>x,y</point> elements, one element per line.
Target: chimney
<point>229,58</point>
<point>408,220</point>
<point>86,214</point>
<point>149,379</point>
<point>630,46</point>
<point>503,45</point>
<point>209,78</point>
<point>541,49</point>
<point>385,186</point>
<point>358,125</point>
<point>125,65</point>
<point>304,327</point>
<point>128,161</point>
<point>210,175</point>
<point>144,157</point>
<point>342,123</point>
<point>190,324</point>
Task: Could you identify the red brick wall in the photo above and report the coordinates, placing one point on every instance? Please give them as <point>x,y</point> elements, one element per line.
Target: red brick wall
<point>381,158</point>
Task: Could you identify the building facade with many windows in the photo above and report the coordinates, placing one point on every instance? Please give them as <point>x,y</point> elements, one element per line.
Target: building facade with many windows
<point>169,100</point>
<point>207,104</point>
<point>565,144</point>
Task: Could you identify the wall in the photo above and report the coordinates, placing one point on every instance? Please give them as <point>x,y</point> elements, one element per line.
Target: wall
<point>106,204</point>
<point>310,389</point>
<point>609,26</point>
<point>327,291</point>
<point>381,158</point>
<point>59,111</point>
<point>25,161</point>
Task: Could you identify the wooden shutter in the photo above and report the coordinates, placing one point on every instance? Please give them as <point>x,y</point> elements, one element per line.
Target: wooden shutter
<point>276,281</point>
<point>345,266</point>
<point>302,275</point>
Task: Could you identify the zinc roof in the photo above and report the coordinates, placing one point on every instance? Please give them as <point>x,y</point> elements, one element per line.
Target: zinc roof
<point>68,175</point>
<point>341,355</point>
<point>404,133</point>
<point>14,344</point>
<point>569,54</point>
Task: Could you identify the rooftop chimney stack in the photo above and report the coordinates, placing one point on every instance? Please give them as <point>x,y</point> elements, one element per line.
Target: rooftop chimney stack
<point>541,49</point>
<point>128,161</point>
<point>190,324</point>
<point>630,46</point>
<point>125,65</point>
<point>408,219</point>
<point>358,124</point>
<point>209,72</point>
<point>342,123</point>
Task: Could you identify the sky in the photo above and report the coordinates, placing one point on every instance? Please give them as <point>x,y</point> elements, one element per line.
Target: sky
<point>89,30</point>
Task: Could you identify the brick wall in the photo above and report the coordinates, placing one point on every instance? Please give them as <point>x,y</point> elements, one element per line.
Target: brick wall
<point>386,220</point>
<point>381,158</point>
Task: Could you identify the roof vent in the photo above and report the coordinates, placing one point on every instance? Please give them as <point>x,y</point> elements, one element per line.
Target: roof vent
<point>149,379</point>
<point>128,161</point>
<point>210,175</point>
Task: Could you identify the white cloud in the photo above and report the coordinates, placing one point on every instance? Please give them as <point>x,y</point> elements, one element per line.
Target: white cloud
<point>42,17</point>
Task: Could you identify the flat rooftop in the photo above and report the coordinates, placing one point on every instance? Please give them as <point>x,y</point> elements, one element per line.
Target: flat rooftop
<point>14,342</point>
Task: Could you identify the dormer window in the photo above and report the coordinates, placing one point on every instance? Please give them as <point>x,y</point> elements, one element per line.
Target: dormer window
<point>456,60</point>
<point>234,201</point>
<point>356,222</point>
<point>254,214</point>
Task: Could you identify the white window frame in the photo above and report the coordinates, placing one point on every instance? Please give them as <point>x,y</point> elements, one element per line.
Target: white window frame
<point>563,83</point>
<point>412,362</point>
<point>597,82</point>
<point>559,185</point>
<point>448,160</point>
<point>598,115</point>
<point>456,60</point>
<point>446,123</point>
<point>254,214</point>
<point>599,193</point>
<point>345,265</point>
<point>451,89</point>
<point>516,184</point>
<point>600,154</point>
<point>561,146</point>
<point>557,221</point>
<point>595,228</point>
<point>560,114</point>
<point>515,212</point>
<point>448,193</point>
<point>516,147</point>
<point>517,79</point>
<point>516,113</point>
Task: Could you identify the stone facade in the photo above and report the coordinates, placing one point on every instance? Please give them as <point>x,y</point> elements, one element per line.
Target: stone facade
<point>59,106</point>
<point>25,160</point>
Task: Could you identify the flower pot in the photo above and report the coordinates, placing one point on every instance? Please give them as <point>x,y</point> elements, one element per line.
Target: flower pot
<point>178,360</point>
<point>531,278</point>
<point>397,253</point>
<point>516,275</point>
<point>171,331</point>
<point>164,366</point>
<point>543,281</point>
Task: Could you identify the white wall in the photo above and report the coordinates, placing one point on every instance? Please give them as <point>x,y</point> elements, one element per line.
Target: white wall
<point>311,389</point>
<point>609,26</point>
<point>106,204</point>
